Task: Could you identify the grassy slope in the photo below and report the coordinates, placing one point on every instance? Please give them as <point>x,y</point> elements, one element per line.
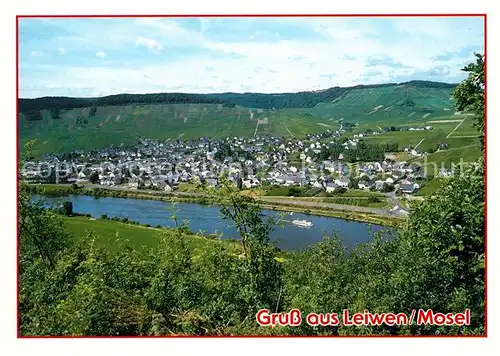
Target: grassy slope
<point>431,138</point>
<point>429,188</point>
<point>462,144</point>
<point>358,105</point>
<point>137,235</point>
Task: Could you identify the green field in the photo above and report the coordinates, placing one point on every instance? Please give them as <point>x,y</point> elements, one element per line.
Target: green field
<point>450,158</point>
<point>430,187</point>
<point>137,236</point>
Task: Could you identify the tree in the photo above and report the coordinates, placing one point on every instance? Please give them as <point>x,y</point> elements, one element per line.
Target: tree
<point>469,94</point>
<point>94,177</point>
<point>386,188</point>
<point>66,208</point>
<point>262,272</point>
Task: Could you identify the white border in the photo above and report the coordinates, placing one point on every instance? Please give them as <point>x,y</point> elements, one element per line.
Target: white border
<point>416,346</point>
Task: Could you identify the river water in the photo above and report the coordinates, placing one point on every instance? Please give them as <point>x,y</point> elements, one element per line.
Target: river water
<point>207,219</point>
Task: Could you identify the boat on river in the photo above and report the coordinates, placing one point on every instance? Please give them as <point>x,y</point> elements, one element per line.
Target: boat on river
<point>303,223</point>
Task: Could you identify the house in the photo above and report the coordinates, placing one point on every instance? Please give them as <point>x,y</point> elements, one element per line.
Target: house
<point>167,188</point>
<point>329,166</point>
<point>389,180</point>
<point>247,183</point>
<point>379,184</point>
<point>212,182</point>
<point>363,185</point>
<point>133,185</point>
<point>330,187</point>
<point>443,172</point>
<point>292,180</point>
<point>399,174</point>
<point>342,182</point>
<point>407,187</point>
<point>316,184</point>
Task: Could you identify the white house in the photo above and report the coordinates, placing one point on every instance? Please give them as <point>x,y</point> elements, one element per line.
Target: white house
<point>363,185</point>
<point>330,187</point>
<point>342,182</point>
<point>316,184</point>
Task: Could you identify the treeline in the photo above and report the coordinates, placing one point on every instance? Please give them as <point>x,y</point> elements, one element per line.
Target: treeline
<point>368,153</point>
<point>305,99</point>
<point>362,152</point>
<point>161,98</point>
<point>429,84</point>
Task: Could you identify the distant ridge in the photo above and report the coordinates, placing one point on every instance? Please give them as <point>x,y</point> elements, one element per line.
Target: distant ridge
<point>303,99</point>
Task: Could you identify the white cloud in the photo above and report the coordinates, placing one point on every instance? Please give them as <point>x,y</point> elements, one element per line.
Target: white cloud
<point>340,54</point>
<point>168,31</point>
<point>36,54</point>
<point>62,51</point>
<point>149,43</point>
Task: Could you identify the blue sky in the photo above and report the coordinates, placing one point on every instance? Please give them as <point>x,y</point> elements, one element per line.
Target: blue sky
<point>93,57</point>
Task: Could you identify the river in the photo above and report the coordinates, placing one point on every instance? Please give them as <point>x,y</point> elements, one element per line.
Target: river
<point>207,219</point>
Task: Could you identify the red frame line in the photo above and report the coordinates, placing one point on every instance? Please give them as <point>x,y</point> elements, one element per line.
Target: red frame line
<point>256,15</point>
<point>483,15</point>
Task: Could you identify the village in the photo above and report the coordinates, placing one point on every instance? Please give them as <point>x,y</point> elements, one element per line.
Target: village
<point>248,163</point>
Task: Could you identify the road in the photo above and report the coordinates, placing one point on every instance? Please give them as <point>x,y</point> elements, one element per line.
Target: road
<point>316,204</point>
<point>461,122</point>
<point>396,211</point>
<point>398,208</point>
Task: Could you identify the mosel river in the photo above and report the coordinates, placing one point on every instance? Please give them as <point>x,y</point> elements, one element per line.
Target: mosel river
<point>208,220</point>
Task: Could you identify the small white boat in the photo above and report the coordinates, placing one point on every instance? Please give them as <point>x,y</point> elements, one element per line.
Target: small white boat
<point>303,223</point>
<point>291,213</point>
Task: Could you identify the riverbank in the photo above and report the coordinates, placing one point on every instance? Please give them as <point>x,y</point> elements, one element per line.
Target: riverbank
<point>346,212</point>
<point>368,218</point>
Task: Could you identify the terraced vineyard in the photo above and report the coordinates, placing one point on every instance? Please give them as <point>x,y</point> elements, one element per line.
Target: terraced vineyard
<point>428,139</point>
<point>113,125</point>
<point>398,103</point>
<point>66,124</point>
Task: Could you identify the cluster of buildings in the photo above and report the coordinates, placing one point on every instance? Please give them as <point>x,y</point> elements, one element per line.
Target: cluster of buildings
<point>270,160</point>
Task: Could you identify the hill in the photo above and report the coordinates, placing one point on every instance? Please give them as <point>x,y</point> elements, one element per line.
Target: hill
<point>64,124</point>
<point>403,103</point>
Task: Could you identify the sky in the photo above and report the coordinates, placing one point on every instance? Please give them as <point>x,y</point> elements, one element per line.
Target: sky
<point>103,56</point>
